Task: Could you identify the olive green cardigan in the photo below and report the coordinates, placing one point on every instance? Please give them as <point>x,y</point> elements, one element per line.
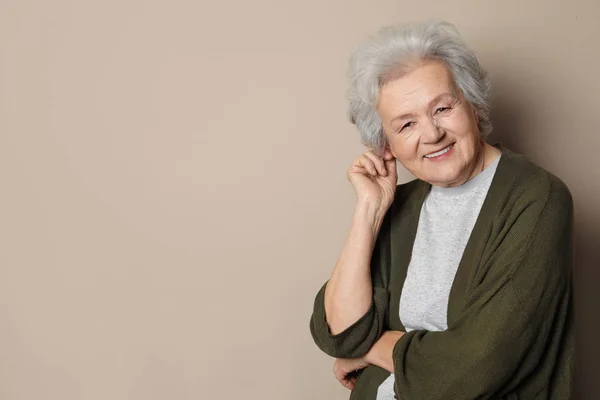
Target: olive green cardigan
<point>510,318</point>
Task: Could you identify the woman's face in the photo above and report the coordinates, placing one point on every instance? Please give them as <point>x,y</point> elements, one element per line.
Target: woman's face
<point>430,128</point>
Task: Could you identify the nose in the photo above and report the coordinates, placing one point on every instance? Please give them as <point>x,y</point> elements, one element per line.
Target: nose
<point>432,133</point>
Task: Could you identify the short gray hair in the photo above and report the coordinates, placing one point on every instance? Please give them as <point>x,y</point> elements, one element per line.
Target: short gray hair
<point>391,52</point>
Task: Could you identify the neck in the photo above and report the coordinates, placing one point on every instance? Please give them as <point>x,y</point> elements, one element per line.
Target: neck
<point>479,165</point>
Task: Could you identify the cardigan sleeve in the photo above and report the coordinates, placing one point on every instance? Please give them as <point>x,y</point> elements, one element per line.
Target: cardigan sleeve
<point>357,339</point>
<point>514,315</point>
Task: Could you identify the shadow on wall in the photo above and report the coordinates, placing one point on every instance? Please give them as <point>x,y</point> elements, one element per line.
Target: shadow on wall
<point>507,126</point>
<point>587,304</point>
<point>508,130</point>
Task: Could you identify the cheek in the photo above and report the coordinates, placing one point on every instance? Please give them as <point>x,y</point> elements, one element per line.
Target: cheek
<point>455,123</point>
<point>404,152</point>
<point>461,125</point>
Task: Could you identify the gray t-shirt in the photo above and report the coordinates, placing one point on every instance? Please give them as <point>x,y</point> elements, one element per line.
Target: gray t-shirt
<point>445,224</point>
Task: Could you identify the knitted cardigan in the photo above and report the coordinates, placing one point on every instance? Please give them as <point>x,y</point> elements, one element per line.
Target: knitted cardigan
<point>510,319</point>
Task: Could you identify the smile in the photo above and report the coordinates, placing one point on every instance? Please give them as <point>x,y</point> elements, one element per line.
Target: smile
<point>439,153</point>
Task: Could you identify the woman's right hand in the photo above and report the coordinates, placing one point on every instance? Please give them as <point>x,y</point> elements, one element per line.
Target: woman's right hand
<point>374,178</point>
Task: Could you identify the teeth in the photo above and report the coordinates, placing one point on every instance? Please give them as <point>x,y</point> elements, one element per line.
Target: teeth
<point>439,153</point>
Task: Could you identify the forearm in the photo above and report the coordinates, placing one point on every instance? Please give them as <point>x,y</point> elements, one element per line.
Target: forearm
<point>349,292</point>
<point>380,353</point>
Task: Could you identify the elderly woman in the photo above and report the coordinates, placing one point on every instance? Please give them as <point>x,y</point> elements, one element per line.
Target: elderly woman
<point>456,285</point>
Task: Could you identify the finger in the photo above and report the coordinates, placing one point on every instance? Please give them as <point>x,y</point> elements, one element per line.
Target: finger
<point>347,384</point>
<point>337,371</point>
<point>341,375</point>
<point>391,165</point>
<point>343,381</point>
<point>367,163</point>
<point>377,162</point>
<point>355,169</point>
<point>387,154</point>
<point>351,383</point>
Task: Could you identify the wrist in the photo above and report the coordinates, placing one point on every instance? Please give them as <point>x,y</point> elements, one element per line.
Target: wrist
<point>369,213</point>
<point>381,353</point>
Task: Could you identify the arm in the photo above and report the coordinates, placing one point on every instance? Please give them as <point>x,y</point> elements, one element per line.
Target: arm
<point>350,309</point>
<point>349,292</point>
<point>381,352</point>
<point>513,318</point>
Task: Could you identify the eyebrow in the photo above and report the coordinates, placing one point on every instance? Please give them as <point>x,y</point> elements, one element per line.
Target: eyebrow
<point>431,103</point>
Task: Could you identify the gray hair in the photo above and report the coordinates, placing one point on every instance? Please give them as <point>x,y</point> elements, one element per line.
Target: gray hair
<point>391,52</point>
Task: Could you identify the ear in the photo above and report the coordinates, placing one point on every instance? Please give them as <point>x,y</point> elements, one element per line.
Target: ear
<point>387,146</point>
<point>476,115</point>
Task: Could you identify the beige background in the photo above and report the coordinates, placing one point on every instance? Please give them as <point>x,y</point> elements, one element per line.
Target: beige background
<point>174,192</point>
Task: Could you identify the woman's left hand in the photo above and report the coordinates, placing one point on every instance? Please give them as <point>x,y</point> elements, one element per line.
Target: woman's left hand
<point>346,368</point>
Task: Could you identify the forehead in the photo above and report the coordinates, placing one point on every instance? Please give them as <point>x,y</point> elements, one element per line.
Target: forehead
<point>416,88</point>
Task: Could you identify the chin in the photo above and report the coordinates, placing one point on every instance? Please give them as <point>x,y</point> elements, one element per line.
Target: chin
<point>449,179</point>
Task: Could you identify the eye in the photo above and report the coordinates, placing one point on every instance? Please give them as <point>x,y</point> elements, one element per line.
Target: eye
<point>406,125</point>
<point>441,109</point>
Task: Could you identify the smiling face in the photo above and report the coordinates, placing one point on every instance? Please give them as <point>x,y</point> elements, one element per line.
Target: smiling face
<point>430,128</point>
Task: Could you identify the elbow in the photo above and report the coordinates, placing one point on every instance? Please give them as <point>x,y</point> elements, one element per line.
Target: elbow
<point>354,341</point>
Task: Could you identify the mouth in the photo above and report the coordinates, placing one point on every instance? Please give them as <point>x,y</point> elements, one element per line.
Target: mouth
<point>440,152</point>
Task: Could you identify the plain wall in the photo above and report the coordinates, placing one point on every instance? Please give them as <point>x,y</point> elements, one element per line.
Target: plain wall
<point>174,192</point>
